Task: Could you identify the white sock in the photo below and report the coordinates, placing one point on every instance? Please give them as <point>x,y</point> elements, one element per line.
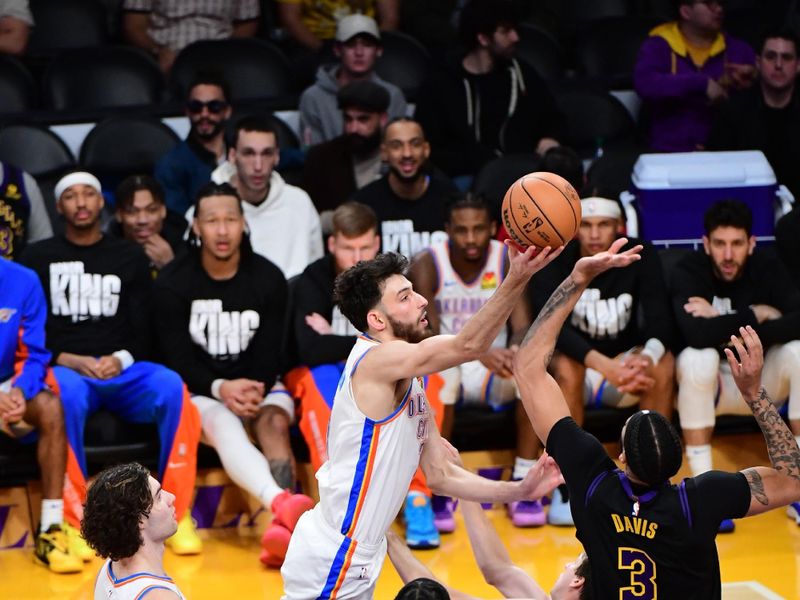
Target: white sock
<point>52,513</point>
<point>522,466</point>
<point>699,458</point>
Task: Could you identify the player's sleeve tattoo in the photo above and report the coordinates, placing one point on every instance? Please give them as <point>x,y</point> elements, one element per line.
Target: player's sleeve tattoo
<point>561,296</point>
<point>756,486</point>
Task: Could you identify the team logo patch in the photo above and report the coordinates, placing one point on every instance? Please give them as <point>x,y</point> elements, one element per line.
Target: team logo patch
<point>12,192</point>
<point>489,281</point>
<point>6,314</point>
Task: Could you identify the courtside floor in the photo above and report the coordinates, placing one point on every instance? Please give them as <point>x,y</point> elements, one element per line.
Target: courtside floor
<point>759,560</point>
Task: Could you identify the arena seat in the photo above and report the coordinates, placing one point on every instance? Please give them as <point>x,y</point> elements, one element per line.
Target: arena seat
<point>611,173</point>
<point>594,117</point>
<point>122,145</point>
<point>497,175</point>
<point>34,149</point>
<point>404,62</point>
<point>102,78</point>
<point>17,86</point>
<point>255,69</point>
<point>538,48</point>
<point>64,24</point>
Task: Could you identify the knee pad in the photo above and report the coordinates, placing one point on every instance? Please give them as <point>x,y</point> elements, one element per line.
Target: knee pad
<point>698,367</point>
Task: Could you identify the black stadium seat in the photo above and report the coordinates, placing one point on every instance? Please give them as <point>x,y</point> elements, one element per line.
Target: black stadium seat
<point>497,175</point>
<point>64,24</point>
<point>123,145</point>
<point>101,78</point>
<point>539,49</point>
<point>17,86</point>
<point>255,69</point>
<point>404,62</point>
<point>34,149</point>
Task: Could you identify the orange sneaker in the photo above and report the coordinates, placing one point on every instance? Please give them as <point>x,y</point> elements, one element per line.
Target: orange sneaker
<point>287,508</point>
<point>274,544</point>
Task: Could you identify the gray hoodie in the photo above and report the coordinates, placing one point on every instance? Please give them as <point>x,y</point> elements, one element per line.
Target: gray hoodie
<point>320,117</point>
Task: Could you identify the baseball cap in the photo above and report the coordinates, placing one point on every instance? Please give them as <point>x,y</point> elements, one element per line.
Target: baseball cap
<point>353,25</point>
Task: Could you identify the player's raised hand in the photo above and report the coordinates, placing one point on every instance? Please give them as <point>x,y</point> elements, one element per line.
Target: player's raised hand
<point>542,478</point>
<point>523,264</point>
<point>590,267</point>
<point>747,363</point>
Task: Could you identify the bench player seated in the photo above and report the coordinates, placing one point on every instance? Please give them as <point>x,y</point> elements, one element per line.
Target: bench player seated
<point>457,276</point>
<point>220,322</point>
<point>614,348</point>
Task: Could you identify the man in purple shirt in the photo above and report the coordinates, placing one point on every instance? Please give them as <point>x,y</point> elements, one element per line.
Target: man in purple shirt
<point>686,67</point>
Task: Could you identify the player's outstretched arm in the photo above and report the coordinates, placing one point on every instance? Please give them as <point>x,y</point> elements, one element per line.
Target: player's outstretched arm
<point>543,400</point>
<point>398,360</point>
<point>780,485</point>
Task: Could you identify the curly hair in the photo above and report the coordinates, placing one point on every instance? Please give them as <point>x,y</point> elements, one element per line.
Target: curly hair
<point>116,504</point>
<point>422,588</point>
<point>359,289</point>
<point>652,447</point>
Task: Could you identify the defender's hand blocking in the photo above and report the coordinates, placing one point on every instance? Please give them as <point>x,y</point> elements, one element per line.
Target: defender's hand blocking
<point>522,265</point>
<point>543,478</point>
<point>747,368</point>
<point>590,267</point>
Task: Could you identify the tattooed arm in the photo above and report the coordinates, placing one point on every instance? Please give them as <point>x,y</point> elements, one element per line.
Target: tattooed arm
<point>543,400</point>
<point>780,485</point>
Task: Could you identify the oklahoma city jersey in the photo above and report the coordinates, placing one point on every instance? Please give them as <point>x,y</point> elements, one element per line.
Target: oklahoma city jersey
<point>370,463</point>
<point>109,587</point>
<point>456,300</point>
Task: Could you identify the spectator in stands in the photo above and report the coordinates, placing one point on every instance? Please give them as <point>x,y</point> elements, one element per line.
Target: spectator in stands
<point>188,166</point>
<point>165,27</point>
<point>97,329</point>
<point>283,224</point>
<point>16,21</point>
<point>23,215</point>
<point>324,338</point>
<point>128,518</point>
<point>457,276</point>
<point>311,23</point>
<point>357,47</point>
<point>27,404</point>
<point>411,202</point>
<point>615,349</point>
<point>685,68</point>
<point>335,169</point>
<point>142,217</point>
<point>220,323</point>
<point>767,116</point>
<point>731,284</point>
<point>488,104</point>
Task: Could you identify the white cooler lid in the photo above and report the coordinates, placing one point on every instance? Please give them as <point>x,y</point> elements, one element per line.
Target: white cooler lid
<point>682,170</point>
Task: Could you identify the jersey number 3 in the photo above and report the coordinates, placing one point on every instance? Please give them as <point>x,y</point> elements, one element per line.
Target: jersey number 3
<point>642,572</point>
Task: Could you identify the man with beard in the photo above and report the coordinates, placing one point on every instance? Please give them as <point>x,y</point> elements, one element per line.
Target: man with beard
<point>410,203</point>
<point>487,104</point>
<point>382,428</point>
<point>731,284</point>
<point>457,277</point>
<point>335,169</point>
<point>767,116</point>
<point>357,46</point>
<point>188,166</point>
<point>283,224</point>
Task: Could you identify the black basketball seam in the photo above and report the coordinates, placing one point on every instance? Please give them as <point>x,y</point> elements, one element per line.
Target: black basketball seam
<point>539,208</point>
<point>514,217</point>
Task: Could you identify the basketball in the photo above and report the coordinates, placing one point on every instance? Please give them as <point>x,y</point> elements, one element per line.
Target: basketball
<point>541,209</point>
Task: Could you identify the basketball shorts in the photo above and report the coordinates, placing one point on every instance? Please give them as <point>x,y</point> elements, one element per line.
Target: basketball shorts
<point>472,383</point>
<point>322,563</point>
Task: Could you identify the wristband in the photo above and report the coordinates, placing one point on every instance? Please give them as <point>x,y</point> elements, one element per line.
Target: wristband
<point>654,349</point>
<point>124,357</point>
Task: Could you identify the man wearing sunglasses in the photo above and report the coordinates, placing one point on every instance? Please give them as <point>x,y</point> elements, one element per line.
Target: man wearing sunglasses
<point>685,68</point>
<point>188,166</point>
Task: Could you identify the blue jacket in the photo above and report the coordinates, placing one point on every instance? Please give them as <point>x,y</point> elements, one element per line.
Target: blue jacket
<point>182,171</point>
<point>23,312</point>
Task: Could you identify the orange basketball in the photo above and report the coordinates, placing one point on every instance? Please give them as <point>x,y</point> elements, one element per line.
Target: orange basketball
<point>541,209</point>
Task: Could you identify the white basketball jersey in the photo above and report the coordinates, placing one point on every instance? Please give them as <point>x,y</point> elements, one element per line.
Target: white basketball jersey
<point>370,463</point>
<point>110,587</point>
<point>457,300</point>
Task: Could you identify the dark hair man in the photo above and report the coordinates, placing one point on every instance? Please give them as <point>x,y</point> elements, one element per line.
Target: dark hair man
<point>98,331</point>
<point>127,518</point>
<point>638,530</point>
<point>185,168</point>
<point>220,323</point>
